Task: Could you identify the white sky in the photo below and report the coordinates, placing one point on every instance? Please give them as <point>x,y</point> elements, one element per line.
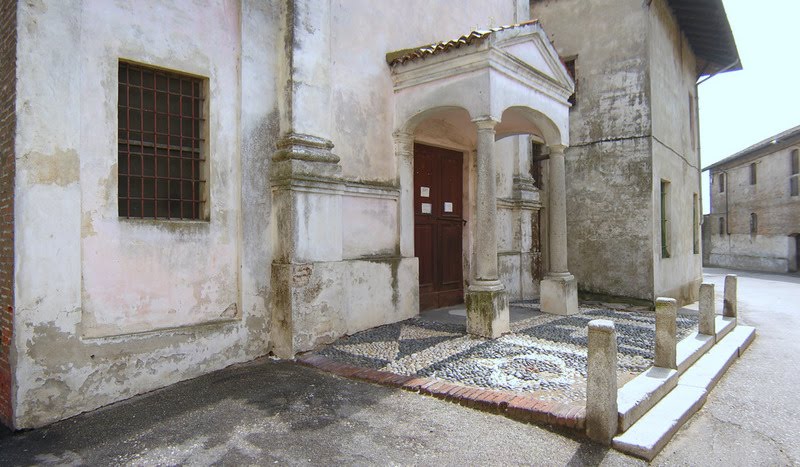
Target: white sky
<point>740,108</point>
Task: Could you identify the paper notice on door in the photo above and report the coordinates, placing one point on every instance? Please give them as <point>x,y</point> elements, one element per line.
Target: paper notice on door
<point>424,192</point>
<point>448,207</point>
<point>426,208</point>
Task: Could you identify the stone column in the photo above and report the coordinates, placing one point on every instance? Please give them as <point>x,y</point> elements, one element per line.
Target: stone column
<point>559,289</point>
<point>666,333</point>
<point>729,300</point>
<point>487,302</point>
<point>707,316</point>
<point>601,382</point>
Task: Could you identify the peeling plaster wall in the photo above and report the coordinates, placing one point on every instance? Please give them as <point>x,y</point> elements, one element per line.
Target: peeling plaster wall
<point>110,308</point>
<point>771,249</point>
<point>676,158</point>
<point>609,163</point>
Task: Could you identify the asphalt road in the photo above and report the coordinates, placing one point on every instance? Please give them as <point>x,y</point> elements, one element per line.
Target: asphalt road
<point>279,413</point>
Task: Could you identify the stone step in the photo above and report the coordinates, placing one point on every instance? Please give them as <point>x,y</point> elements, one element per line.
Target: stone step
<point>723,326</point>
<point>692,348</point>
<point>654,429</point>
<point>640,394</point>
<point>706,373</point>
<point>643,392</point>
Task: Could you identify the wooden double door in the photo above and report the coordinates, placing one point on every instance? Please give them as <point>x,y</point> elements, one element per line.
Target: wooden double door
<point>438,225</point>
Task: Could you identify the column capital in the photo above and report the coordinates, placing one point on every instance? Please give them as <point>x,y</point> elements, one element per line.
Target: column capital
<point>557,149</point>
<point>486,122</point>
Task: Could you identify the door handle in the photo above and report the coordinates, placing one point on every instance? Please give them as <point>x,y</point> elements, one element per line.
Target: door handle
<point>463,222</point>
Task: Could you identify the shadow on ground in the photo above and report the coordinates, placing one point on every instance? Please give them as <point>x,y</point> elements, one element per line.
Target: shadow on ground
<point>267,412</point>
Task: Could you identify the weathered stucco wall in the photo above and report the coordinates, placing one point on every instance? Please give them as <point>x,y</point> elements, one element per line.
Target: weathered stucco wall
<point>609,161</point>
<point>676,156</point>
<point>8,128</point>
<point>127,306</point>
<point>772,247</point>
<point>362,90</point>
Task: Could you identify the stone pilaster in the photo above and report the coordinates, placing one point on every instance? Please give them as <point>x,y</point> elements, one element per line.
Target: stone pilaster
<point>404,151</point>
<point>559,289</point>
<point>487,302</point>
<point>308,296</point>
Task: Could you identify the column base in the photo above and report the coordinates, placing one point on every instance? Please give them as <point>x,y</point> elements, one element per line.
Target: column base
<point>487,311</point>
<point>559,294</point>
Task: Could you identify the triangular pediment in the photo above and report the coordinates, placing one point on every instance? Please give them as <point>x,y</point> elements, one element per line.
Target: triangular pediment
<point>529,45</point>
<point>520,49</point>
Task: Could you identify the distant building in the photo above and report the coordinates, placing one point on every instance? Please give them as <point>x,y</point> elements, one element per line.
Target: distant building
<point>754,222</point>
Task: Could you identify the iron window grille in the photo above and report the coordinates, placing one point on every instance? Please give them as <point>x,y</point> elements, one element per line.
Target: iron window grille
<point>161,166</point>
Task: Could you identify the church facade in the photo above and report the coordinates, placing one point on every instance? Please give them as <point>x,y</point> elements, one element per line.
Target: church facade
<point>191,187</point>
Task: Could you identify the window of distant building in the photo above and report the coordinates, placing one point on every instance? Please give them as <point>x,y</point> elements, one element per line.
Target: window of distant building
<point>722,183</point>
<point>722,226</point>
<point>753,223</point>
<point>793,182</point>
<point>665,223</point>
<point>753,173</point>
<point>161,165</point>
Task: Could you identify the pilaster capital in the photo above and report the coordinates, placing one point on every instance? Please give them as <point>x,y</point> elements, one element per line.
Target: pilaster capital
<point>486,122</point>
<point>403,137</point>
<point>557,149</point>
<point>403,143</point>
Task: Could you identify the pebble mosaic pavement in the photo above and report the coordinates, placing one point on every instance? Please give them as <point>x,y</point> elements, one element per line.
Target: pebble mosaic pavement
<point>543,356</point>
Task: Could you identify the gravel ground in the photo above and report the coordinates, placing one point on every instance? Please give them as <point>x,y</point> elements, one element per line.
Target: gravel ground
<point>544,355</point>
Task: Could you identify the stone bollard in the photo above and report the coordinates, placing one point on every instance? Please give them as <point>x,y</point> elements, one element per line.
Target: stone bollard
<point>729,302</point>
<point>666,333</point>
<point>705,323</point>
<point>601,382</point>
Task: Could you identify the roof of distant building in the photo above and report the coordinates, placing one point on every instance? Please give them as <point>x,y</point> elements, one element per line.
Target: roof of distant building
<point>767,146</point>
<point>400,57</point>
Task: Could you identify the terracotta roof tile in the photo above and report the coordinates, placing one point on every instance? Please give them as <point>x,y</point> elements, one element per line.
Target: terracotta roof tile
<point>400,57</point>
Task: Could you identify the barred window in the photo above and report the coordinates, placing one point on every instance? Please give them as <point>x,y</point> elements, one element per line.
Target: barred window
<point>160,153</point>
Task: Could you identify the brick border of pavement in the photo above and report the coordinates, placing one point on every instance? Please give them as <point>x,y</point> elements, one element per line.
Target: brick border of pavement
<point>513,405</point>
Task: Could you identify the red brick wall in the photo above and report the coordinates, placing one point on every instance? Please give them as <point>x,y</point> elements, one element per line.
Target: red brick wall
<point>8,83</point>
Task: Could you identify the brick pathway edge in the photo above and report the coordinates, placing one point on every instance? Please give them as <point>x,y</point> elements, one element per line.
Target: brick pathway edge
<point>516,406</point>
